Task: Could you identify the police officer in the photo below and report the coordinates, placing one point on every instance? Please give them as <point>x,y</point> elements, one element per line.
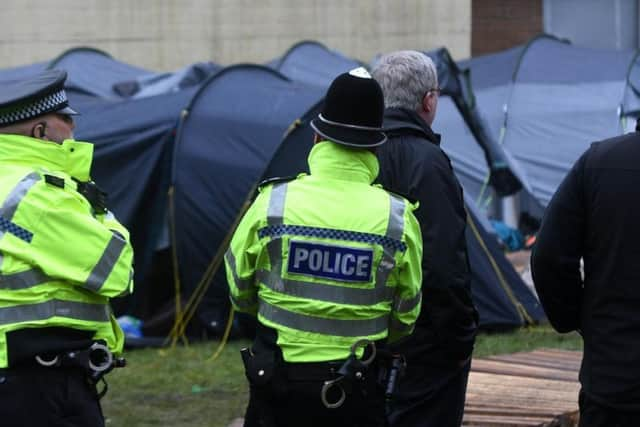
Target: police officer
<point>330,265</point>
<point>62,256</point>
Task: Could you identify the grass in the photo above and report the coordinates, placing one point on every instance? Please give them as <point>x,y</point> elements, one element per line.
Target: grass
<point>177,387</point>
<point>182,387</point>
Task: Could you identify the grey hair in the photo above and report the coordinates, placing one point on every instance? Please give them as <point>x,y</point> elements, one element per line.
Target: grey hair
<point>405,76</point>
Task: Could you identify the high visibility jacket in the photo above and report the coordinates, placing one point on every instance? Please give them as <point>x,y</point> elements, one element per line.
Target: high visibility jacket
<point>328,259</point>
<point>59,260</point>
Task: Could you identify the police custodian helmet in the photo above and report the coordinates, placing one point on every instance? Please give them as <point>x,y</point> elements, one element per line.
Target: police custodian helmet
<point>353,111</point>
<point>34,96</point>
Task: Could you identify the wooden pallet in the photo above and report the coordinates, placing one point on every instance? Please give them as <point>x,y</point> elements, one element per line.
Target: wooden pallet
<point>539,388</point>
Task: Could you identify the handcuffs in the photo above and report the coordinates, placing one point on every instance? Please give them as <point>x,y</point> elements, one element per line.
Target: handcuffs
<point>98,358</point>
<point>97,361</point>
<point>352,369</point>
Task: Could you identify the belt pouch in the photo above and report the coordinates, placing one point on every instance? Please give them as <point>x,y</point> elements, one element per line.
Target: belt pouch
<point>258,368</point>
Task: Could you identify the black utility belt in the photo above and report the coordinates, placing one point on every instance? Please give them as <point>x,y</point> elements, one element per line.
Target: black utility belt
<point>313,371</point>
<point>338,377</point>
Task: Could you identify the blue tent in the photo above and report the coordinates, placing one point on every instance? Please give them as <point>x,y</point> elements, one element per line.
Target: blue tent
<point>312,63</point>
<point>502,298</point>
<point>159,83</point>
<point>209,142</point>
<point>502,172</point>
<point>545,102</point>
<point>133,142</point>
<point>226,137</point>
<point>231,131</point>
<point>21,72</point>
<point>94,72</point>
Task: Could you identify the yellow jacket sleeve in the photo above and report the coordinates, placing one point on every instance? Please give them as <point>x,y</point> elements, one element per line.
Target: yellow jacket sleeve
<point>242,257</point>
<point>71,244</point>
<point>408,297</point>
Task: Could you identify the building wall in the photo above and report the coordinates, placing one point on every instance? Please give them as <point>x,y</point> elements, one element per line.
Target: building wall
<point>168,34</point>
<point>611,24</point>
<point>500,24</point>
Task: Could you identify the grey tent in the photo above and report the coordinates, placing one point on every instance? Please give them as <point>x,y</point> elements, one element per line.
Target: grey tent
<point>545,102</point>
<point>502,298</point>
<point>231,128</point>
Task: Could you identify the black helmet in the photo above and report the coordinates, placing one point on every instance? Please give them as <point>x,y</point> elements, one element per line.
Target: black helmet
<point>353,111</point>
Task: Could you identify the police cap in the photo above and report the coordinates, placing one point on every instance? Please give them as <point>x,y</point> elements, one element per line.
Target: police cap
<point>35,96</point>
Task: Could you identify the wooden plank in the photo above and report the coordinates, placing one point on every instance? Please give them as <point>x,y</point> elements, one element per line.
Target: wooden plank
<point>523,397</point>
<point>564,420</point>
<point>489,420</point>
<point>538,360</point>
<point>503,368</point>
<point>503,406</point>
<point>527,361</point>
<point>559,409</point>
<point>560,354</point>
<point>512,411</point>
<point>538,388</point>
<point>487,380</point>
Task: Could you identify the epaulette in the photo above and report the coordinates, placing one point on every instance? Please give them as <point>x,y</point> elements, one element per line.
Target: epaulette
<point>54,180</point>
<point>275,180</point>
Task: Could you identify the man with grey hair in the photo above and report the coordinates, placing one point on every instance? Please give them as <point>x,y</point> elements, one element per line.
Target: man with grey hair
<point>438,354</point>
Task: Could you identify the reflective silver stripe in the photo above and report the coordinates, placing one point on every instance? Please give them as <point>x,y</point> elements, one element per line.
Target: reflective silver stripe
<point>395,226</point>
<point>242,285</point>
<point>51,308</point>
<point>346,125</point>
<point>16,195</point>
<point>105,264</point>
<point>397,326</point>
<point>29,278</point>
<point>275,212</point>
<point>14,198</point>
<point>244,304</point>
<point>321,325</point>
<point>329,293</point>
<point>23,279</point>
<point>395,229</point>
<point>325,292</point>
<point>127,290</point>
<point>274,248</point>
<point>387,263</point>
<point>405,305</point>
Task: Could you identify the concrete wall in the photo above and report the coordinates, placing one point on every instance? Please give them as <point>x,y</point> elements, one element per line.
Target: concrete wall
<point>168,34</point>
<point>610,24</point>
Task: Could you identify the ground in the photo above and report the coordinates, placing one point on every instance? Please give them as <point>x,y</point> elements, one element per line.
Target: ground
<point>183,387</point>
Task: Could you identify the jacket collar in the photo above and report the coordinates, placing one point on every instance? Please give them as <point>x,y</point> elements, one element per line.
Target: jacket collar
<point>334,161</point>
<point>399,121</point>
<point>71,157</point>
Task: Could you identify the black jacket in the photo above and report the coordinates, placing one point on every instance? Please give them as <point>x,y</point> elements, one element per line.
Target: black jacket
<point>595,215</point>
<point>413,164</point>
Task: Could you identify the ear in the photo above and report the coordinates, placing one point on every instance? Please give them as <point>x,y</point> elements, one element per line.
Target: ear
<point>38,130</point>
<point>427,102</point>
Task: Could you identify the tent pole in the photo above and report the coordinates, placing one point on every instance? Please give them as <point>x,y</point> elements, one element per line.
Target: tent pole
<point>511,210</point>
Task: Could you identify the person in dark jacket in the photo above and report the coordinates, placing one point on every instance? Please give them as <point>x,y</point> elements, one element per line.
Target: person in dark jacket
<point>438,354</point>
<point>593,217</point>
